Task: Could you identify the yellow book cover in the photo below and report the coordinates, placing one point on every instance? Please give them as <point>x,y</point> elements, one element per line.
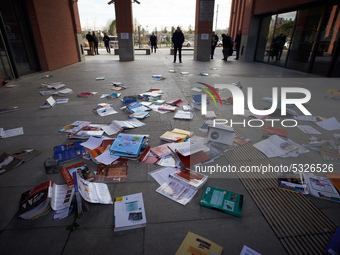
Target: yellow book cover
<point>197,245</point>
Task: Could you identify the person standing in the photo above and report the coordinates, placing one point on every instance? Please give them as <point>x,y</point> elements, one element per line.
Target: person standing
<point>227,46</point>
<point>214,40</point>
<point>238,43</point>
<point>177,40</point>
<point>95,43</point>
<point>89,38</point>
<point>106,40</point>
<point>153,41</point>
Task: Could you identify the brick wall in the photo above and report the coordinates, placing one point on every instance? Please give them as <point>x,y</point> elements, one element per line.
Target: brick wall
<point>264,6</point>
<point>54,32</point>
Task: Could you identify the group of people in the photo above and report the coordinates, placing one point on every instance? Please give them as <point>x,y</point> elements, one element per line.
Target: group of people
<point>277,46</point>
<point>228,45</point>
<point>93,43</point>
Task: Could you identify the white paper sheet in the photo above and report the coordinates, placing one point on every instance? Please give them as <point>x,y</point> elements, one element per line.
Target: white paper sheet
<point>329,124</point>
<point>106,158</point>
<point>274,146</point>
<point>92,143</point>
<point>308,129</point>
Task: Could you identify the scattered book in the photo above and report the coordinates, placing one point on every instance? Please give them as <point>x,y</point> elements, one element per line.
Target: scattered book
<point>198,245</point>
<point>116,172</point>
<point>222,200</point>
<point>129,212</point>
<point>36,201</point>
<point>81,168</point>
<point>39,200</point>
<point>177,191</point>
<point>49,102</point>
<point>75,126</point>
<point>322,187</point>
<point>293,182</point>
<point>187,115</point>
<point>170,136</point>
<point>335,178</point>
<point>189,177</point>
<point>87,131</point>
<point>127,144</point>
<point>268,131</point>
<point>9,109</point>
<point>8,162</point>
<point>330,152</point>
<point>68,151</point>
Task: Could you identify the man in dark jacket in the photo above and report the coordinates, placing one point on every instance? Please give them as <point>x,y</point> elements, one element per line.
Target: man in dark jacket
<point>153,41</point>
<point>214,40</point>
<point>106,40</point>
<point>227,42</point>
<point>95,43</point>
<point>238,43</point>
<point>177,40</point>
<point>91,44</point>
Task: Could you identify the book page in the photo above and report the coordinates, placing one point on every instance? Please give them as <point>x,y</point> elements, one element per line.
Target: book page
<point>62,196</point>
<point>162,175</point>
<point>94,192</point>
<point>177,192</point>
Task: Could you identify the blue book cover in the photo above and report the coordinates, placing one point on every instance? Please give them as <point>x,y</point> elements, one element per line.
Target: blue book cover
<point>198,99</point>
<point>69,151</point>
<point>127,143</point>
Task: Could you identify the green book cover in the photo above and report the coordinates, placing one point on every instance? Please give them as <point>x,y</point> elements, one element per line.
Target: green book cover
<point>222,200</point>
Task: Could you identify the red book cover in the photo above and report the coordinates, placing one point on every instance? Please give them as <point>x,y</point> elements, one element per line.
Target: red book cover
<point>161,150</point>
<point>269,131</point>
<point>116,172</point>
<point>34,197</point>
<point>193,159</point>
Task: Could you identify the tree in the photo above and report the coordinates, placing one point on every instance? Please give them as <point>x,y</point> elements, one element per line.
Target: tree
<point>112,28</point>
<point>165,30</point>
<point>190,30</point>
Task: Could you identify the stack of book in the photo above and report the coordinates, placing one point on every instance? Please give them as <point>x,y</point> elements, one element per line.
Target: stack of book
<point>176,135</point>
<point>129,146</point>
<point>137,110</point>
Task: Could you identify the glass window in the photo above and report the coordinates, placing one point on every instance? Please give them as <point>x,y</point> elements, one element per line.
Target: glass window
<point>329,38</point>
<point>304,39</point>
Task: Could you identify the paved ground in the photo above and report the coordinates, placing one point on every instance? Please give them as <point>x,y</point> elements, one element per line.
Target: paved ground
<point>167,221</point>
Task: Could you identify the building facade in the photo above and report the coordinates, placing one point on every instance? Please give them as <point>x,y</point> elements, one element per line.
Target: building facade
<point>38,35</point>
<point>309,30</point>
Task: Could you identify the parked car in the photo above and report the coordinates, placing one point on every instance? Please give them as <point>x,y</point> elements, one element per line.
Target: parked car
<point>186,44</point>
<point>219,44</point>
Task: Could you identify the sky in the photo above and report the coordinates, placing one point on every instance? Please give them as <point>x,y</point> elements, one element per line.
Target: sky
<point>151,14</point>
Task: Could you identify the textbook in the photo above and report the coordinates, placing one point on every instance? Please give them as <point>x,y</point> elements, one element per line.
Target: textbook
<point>127,143</point>
<point>68,151</point>
<point>49,102</point>
<point>198,245</point>
<point>222,200</point>
<point>75,126</point>
<point>174,136</point>
<point>293,182</point>
<point>189,177</point>
<point>116,172</point>
<point>39,200</point>
<point>129,212</point>
<point>82,170</point>
<point>268,131</point>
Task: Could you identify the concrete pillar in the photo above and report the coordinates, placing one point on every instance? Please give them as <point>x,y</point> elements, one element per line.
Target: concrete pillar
<point>124,22</point>
<point>203,29</point>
